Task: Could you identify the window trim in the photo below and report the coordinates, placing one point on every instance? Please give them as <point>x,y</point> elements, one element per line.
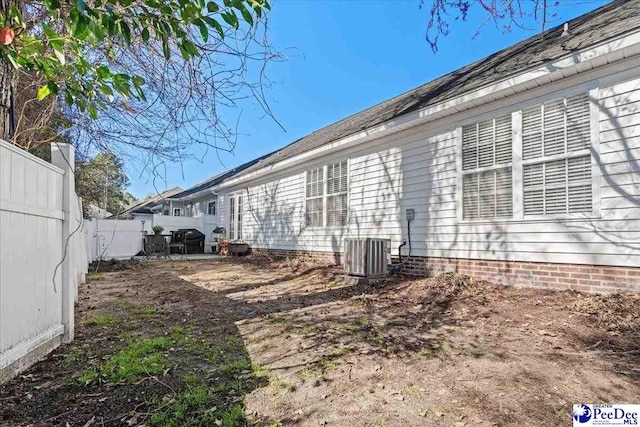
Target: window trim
<point>517,163</point>
<point>179,210</point>
<point>215,207</point>
<point>235,196</point>
<point>324,168</point>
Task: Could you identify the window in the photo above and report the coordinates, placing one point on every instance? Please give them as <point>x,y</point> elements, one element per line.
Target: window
<point>487,169</point>
<point>337,194</point>
<point>326,195</point>
<point>315,197</point>
<point>177,212</point>
<point>556,139</point>
<point>235,216</point>
<point>211,207</point>
<point>552,162</point>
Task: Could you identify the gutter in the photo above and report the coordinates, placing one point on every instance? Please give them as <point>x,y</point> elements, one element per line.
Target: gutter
<point>193,195</point>
<point>574,63</point>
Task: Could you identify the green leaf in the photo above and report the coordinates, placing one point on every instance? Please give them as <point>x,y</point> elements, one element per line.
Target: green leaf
<point>106,90</point>
<point>93,111</point>
<point>212,7</point>
<point>185,53</point>
<point>103,72</point>
<point>96,29</point>
<point>214,24</point>
<point>121,78</point>
<point>145,35</point>
<point>204,31</point>
<point>43,92</point>
<point>247,16</point>
<point>126,31</point>
<point>68,98</point>
<point>52,5</point>
<point>165,48</point>
<point>231,19</point>
<point>137,81</point>
<point>16,16</point>
<point>190,47</point>
<point>79,24</point>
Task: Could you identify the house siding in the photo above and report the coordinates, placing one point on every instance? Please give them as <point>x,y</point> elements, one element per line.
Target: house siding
<point>417,169</point>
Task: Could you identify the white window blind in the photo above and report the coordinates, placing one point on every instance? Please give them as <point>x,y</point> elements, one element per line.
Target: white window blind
<point>315,197</point>
<point>337,179</point>
<point>487,189</point>
<point>327,195</point>
<point>556,138</point>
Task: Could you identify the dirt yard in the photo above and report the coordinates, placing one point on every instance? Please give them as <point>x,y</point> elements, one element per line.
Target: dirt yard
<point>255,342</point>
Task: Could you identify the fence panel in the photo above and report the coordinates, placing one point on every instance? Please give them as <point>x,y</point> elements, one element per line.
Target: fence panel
<point>114,238</point>
<point>32,249</point>
<point>173,223</point>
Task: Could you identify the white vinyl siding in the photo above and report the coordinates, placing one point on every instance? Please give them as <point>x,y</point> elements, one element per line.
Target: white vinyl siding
<point>417,168</point>
<point>557,132</point>
<point>326,195</point>
<point>487,146</point>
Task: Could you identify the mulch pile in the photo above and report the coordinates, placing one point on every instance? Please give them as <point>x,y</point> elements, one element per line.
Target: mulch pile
<point>617,312</point>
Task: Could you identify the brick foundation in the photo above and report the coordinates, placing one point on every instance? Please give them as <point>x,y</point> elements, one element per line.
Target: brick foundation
<point>586,278</point>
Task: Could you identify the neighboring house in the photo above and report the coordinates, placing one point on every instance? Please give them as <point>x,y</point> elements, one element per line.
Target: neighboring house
<point>201,199</point>
<point>145,209</point>
<point>522,168</point>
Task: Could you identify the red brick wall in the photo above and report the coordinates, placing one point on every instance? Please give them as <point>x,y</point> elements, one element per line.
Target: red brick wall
<point>586,278</point>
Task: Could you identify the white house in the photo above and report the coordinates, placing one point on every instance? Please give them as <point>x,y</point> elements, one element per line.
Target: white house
<point>523,167</point>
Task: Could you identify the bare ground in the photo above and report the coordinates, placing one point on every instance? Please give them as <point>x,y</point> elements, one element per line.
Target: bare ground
<point>282,343</point>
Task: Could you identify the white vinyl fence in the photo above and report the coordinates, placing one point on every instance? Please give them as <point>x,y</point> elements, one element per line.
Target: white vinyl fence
<point>42,254</point>
<point>119,238</point>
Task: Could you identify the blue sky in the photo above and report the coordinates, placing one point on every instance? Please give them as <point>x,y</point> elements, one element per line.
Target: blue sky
<point>347,56</point>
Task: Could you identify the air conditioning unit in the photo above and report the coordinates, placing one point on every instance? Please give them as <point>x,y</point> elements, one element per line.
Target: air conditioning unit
<point>367,257</point>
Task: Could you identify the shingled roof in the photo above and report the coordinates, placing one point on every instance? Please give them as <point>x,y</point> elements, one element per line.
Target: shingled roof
<point>607,22</point>
<point>216,179</point>
<point>144,206</point>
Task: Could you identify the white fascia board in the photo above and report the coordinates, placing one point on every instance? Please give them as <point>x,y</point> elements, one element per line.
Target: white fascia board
<point>575,63</point>
<point>206,191</point>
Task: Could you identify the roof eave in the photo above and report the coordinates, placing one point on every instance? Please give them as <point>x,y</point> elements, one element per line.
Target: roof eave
<point>613,50</point>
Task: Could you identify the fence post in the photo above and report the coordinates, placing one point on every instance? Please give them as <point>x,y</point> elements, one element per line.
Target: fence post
<point>63,156</point>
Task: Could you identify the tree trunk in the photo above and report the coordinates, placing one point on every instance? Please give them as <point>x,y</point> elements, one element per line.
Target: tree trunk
<point>6,86</point>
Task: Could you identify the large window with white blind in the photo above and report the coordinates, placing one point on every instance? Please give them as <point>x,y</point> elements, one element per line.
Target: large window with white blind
<point>550,152</point>
<point>326,191</point>
<point>487,171</point>
<point>556,157</point>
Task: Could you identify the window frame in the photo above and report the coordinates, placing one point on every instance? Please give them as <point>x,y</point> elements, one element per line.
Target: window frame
<point>478,171</point>
<point>179,210</point>
<point>325,196</point>
<point>214,207</point>
<point>235,215</point>
<point>593,90</point>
